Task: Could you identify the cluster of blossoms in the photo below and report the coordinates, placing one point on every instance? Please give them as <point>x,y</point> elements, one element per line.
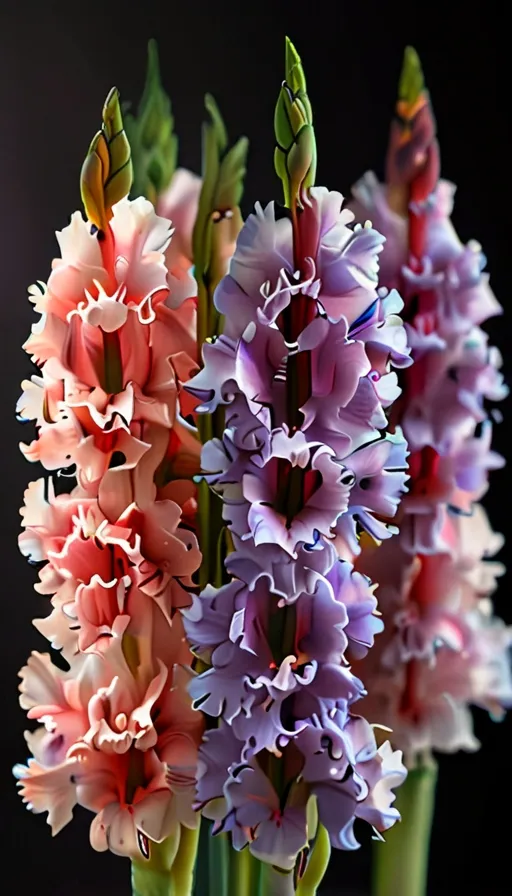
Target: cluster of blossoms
<point>302,372</point>
<point>324,440</point>
<point>442,649</point>
<point>115,343</point>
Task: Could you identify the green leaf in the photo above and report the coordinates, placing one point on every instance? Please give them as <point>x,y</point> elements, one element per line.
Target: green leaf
<point>295,152</point>
<point>217,225</point>
<point>151,134</point>
<point>217,124</point>
<point>218,218</point>
<point>106,175</point>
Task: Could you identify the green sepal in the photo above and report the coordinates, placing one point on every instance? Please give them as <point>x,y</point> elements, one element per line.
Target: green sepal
<point>151,134</point>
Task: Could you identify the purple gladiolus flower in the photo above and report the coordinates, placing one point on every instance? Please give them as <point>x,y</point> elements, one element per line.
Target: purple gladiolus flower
<point>442,649</point>
<point>304,372</point>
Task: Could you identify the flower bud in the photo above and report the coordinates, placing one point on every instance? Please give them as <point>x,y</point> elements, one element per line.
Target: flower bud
<point>106,175</point>
<point>295,153</point>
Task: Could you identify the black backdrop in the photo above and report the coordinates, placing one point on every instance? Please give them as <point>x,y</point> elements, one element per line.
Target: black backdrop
<point>57,63</point>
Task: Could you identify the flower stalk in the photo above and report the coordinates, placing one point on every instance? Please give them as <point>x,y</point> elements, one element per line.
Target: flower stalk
<point>400,865</point>
<point>183,870</point>
<point>442,649</point>
<point>117,552</point>
<point>275,882</point>
<point>285,470</point>
<point>157,876</point>
<point>217,224</point>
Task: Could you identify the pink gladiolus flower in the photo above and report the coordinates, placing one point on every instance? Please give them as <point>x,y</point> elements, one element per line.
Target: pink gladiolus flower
<point>98,571</point>
<point>179,204</point>
<point>121,745</point>
<point>114,356</point>
<point>116,554</point>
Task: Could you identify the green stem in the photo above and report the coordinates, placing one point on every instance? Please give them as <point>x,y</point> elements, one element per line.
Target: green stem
<point>256,875</point>
<point>240,872</point>
<point>202,876</point>
<point>275,883</point>
<point>224,871</point>
<point>204,527</point>
<point>148,882</point>
<point>400,865</point>
<point>152,877</point>
<point>218,862</point>
<point>182,873</point>
<point>202,310</point>
<point>317,865</point>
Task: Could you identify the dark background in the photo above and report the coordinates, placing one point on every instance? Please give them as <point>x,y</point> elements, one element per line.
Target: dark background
<point>57,63</point>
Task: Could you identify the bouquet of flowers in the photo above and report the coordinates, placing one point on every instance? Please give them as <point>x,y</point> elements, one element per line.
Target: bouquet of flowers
<point>232,423</point>
<point>442,648</point>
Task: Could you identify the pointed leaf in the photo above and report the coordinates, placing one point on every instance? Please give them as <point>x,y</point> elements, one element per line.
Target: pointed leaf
<point>151,134</point>
<point>218,219</point>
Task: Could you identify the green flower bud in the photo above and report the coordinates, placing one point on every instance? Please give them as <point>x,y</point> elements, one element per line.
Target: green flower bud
<point>295,153</point>
<point>106,175</point>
